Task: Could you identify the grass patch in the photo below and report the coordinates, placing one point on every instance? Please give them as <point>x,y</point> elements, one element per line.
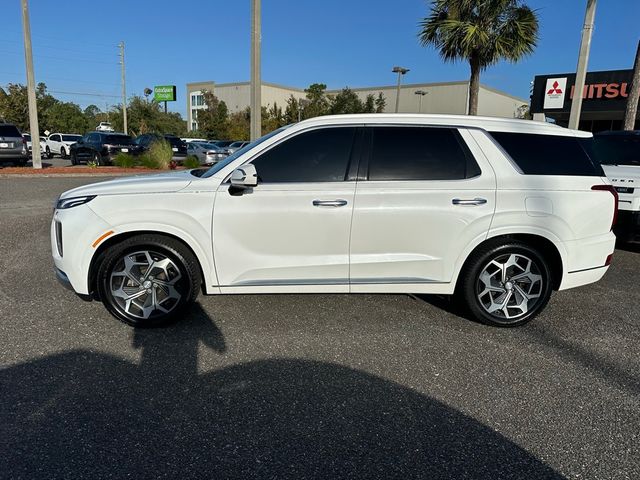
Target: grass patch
<point>124,160</point>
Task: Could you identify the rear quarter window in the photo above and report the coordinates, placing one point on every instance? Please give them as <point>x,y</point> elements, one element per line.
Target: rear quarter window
<point>550,154</point>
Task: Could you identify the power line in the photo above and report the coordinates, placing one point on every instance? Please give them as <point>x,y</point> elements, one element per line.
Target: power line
<point>84,60</point>
<point>61,49</point>
<point>89,94</point>
<point>61,39</point>
<point>46,79</point>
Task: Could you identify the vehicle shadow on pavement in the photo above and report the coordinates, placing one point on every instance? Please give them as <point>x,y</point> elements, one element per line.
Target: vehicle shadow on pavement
<point>87,414</point>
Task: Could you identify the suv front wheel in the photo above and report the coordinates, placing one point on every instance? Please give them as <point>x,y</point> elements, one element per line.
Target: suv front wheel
<point>505,285</point>
<point>148,280</point>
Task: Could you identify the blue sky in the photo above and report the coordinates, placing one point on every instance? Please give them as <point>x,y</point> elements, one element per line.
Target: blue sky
<point>338,42</point>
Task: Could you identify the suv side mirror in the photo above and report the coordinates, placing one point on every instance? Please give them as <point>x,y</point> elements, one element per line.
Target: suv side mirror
<point>245,176</point>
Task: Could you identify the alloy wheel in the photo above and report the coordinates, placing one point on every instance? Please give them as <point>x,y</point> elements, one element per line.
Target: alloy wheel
<point>146,284</point>
<point>509,287</point>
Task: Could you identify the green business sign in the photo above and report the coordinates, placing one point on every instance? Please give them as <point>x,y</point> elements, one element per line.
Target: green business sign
<point>164,93</point>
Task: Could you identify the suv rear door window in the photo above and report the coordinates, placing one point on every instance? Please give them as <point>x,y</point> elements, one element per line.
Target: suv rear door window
<point>420,153</point>
<point>320,155</point>
<point>549,154</point>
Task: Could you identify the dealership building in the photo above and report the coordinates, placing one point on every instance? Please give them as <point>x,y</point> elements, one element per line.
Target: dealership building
<point>445,97</point>
<point>604,99</point>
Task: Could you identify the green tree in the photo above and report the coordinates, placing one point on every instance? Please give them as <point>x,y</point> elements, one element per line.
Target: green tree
<point>239,125</point>
<point>66,117</point>
<point>370,104</point>
<point>213,120</point>
<point>14,106</point>
<point>318,103</point>
<point>480,32</point>
<point>292,111</point>
<point>381,103</point>
<point>144,116</point>
<point>347,101</point>
<point>272,118</point>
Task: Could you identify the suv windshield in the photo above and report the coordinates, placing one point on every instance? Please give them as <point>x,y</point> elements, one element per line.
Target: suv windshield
<point>220,165</point>
<point>617,149</point>
<point>118,139</point>
<point>9,131</point>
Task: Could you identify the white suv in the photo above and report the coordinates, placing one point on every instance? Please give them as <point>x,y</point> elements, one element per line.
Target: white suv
<point>499,212</point>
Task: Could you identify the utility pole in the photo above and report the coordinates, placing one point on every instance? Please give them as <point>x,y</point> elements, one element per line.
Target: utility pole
<point>256,81</point>
<point>36,159</point>
<point>400,71</point>
<point>124,89</point>
<point>583,61</point>
<point>634,93</point>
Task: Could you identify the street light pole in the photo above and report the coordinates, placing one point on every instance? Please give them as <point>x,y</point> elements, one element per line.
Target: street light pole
<point>124,89</point>
<point>256,81</point>
<point>422,93</point>
<point>36,159</point>
<point>583,61</point>
<point>400,71</point>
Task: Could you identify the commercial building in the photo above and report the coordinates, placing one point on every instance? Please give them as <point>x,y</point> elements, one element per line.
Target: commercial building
<point>445,97</point>
<point>604,99</point>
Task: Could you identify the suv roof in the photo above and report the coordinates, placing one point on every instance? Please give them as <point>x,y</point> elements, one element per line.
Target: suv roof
<point>484,123</point>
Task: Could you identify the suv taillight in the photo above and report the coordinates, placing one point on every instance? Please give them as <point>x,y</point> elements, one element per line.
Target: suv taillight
<point>611,189</point>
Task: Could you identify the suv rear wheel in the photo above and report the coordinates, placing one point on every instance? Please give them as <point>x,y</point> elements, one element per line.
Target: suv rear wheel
<point>506,285</point>
<point>148,280</point>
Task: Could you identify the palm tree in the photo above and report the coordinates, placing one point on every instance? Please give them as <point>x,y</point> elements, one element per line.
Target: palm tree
<point>482,32</point>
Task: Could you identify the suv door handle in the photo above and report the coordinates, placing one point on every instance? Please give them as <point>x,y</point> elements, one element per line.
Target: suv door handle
<point>329,203</point>
<point>475,201</point>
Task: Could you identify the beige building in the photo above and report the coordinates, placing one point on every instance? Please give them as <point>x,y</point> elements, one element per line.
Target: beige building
<point>444,97</point>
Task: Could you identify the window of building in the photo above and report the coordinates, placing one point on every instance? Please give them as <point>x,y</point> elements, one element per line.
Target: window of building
<point>320,155</point>
<point>419,153</point>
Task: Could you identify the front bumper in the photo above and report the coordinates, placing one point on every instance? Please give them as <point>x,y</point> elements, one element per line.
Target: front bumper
<point>63,279</point>
<point>79,229</point>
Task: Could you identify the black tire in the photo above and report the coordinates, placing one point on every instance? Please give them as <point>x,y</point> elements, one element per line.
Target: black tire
<point>49,154</point>
<point>187,284</point>
<point>471,287</point>
<point>97,158</point>
<point>63,152</point>
<point>74,159</point>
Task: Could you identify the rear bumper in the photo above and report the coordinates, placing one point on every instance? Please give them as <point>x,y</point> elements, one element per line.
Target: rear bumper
<point>585,277</point>
<point>586,260</point>
<point>13,156</point>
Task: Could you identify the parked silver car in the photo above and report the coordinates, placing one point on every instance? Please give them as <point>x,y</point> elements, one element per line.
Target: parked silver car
<point>13,146</point>
<point>207,153</point>
<point>235,146</point>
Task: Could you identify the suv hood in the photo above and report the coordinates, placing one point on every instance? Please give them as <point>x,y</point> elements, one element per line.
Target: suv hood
<point>156,183</point>
<point>623,175</point>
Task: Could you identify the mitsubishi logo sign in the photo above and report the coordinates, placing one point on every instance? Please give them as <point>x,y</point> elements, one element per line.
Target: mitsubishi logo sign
<point>554,92</point>
<point>554,88</point>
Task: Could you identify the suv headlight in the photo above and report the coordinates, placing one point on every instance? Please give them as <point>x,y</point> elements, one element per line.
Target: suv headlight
<point>64,203</point>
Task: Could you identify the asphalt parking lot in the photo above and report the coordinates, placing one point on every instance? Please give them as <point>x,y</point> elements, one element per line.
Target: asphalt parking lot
<point>308,386</point>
